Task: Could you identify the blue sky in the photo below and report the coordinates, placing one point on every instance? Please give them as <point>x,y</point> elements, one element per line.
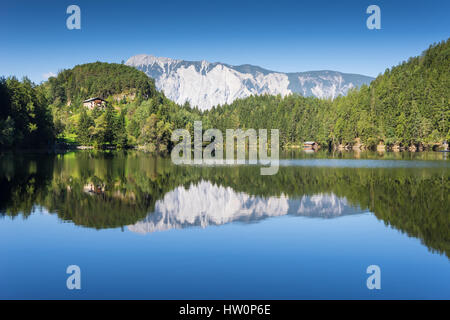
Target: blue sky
<point>277,35</point>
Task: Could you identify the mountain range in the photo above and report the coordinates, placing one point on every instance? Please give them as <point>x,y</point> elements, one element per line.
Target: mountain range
<point>205,84</point>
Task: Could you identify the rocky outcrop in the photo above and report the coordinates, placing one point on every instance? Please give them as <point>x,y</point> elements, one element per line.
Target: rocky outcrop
<point>205,84</point>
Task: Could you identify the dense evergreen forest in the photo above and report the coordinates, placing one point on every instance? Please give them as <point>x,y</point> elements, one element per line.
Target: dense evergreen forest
<point>97,79</point>
<point>407,105</point>
<point>25,118</point>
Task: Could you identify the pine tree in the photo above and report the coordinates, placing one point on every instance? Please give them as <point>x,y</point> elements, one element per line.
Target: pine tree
<point>121,139</point>
<point>83,129</point>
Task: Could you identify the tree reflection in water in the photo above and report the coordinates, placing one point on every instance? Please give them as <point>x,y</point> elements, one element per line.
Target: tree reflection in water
<point>147,193</point>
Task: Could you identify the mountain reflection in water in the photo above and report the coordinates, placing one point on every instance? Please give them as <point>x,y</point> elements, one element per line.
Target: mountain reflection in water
<point>205,204</point>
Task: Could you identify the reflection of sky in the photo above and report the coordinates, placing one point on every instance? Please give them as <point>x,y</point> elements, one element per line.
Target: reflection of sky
<point>281,257</point>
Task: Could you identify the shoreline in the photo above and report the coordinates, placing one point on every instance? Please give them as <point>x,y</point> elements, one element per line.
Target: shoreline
<point>347,150</point>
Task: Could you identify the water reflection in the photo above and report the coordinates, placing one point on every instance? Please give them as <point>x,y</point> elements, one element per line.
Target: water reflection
<point>206,204</point>
<point>112,189</point>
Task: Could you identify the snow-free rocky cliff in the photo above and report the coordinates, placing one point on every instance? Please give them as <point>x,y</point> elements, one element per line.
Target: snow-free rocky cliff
<point>205,84</point>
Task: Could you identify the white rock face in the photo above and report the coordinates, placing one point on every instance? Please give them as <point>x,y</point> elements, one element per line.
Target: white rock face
<point>205,204</point>
<point>206,84</point>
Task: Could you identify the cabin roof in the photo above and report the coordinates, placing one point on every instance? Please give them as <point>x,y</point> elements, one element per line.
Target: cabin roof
<point>309,142</point>
<point>93,99</point>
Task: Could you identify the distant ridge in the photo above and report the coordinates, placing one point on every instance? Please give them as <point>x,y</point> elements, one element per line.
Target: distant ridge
<point>205,84</point>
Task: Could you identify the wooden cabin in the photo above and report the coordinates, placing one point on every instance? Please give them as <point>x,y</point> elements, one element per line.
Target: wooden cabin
<point>94,102</point>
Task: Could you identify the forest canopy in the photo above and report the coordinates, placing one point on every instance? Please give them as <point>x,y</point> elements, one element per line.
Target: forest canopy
<point>25,119</point>
<point>98,79</point>
<point>408,104</point>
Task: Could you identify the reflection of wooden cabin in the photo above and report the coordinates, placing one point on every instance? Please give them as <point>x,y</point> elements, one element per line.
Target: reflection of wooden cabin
<point>94,189</point>
<point>94,102</point>
<point>310,145</point>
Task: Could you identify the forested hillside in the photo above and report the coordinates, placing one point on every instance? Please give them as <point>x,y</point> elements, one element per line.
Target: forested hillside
<point>408,104</point>
<point>136,113</point>
<point>25,119</point>
<point>98,79</point>
<point>298,118</point>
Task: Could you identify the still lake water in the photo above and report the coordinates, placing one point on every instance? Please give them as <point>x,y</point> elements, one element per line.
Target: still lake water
<point>141,228</point>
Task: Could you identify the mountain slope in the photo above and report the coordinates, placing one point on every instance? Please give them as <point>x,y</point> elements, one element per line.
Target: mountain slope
<point>206,84</point>
<point>98,79</point>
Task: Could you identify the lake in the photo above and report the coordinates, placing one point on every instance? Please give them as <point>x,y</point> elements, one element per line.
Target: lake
<point>140,227</point>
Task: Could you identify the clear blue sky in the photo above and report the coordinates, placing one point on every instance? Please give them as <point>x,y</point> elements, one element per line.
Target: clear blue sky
<point>278,35</point>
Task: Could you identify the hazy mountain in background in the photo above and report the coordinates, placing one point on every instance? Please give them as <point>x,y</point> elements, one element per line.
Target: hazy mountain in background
<point>206,84</point>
